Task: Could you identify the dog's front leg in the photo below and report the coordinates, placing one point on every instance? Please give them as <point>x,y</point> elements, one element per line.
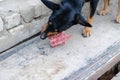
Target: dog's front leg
<point>118,15</point>
<point>88,30</point>
<point>104,11</point>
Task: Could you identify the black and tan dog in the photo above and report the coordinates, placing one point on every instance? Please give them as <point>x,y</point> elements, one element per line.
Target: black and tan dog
<point>104,11</point>
<point>67,14</point>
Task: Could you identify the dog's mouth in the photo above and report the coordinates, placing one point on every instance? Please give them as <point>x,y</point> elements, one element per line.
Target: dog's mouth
<point>43,35</point>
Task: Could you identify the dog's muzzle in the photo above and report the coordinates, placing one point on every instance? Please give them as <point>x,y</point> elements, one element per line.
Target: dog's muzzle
<point>43,35</point>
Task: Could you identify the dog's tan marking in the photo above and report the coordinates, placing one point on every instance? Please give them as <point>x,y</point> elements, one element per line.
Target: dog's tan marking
<point>118,14</point>
<point>104,11</point>
<point>44,27</point>
<point>88,30</point>
<point>51,34</point>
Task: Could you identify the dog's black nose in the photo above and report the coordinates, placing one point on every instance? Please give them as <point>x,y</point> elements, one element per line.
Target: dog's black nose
<point>43,36</point>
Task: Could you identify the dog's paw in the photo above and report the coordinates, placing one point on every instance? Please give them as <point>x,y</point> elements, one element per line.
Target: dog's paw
<point>87,32</point>
<point>118,19</point>
<point>103,12</point>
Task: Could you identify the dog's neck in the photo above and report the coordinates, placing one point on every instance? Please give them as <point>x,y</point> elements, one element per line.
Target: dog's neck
<point>73,7</point>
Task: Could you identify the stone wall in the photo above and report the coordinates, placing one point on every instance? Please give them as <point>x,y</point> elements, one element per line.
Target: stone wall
<point>20,19</point>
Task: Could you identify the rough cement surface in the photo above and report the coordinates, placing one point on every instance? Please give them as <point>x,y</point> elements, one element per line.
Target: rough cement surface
<point>38,61</point>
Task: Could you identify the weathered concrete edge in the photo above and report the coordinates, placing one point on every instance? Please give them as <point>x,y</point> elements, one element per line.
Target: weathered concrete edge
<point>19,46</point>
<point>105,67</point>
<point>98,66</point>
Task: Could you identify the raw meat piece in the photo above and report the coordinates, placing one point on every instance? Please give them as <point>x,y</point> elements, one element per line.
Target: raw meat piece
<point>59,39</point>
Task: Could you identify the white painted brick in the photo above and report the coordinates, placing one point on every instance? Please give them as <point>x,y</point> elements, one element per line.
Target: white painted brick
<point>38,10</point>
<point>17,29</point>
<point>37,25</point>
<point>44,9</point>
<point>1,24</point>
<point>1,0</point>
<point>12,20</point>
<point>27,12</point>
<point>37,6</point>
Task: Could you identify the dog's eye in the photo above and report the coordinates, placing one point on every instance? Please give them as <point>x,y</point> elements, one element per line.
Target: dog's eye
<point>56,30</point>
<point>50,22</point>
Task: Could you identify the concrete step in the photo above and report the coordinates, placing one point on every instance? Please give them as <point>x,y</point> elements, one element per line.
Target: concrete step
<point>79,59</point>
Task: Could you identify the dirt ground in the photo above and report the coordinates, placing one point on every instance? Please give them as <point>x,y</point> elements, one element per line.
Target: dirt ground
<point>111,73</point>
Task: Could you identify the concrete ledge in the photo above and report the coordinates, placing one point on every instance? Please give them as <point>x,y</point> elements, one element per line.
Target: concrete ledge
<point>100,65</point>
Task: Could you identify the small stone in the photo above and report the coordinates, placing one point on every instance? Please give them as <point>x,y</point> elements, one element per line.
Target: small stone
<point>12,20</point>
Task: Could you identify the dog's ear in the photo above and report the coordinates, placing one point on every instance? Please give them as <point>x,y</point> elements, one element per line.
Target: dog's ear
<point>51,5</point>
<point>80,20</point>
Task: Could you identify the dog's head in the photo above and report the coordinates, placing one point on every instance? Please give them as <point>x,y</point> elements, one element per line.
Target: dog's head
<point>62,18</point>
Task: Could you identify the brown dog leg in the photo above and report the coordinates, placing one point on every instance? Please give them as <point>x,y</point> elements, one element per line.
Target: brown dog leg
<point>88,30</point>
<point>118,14</point>
<point>104,11</point>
